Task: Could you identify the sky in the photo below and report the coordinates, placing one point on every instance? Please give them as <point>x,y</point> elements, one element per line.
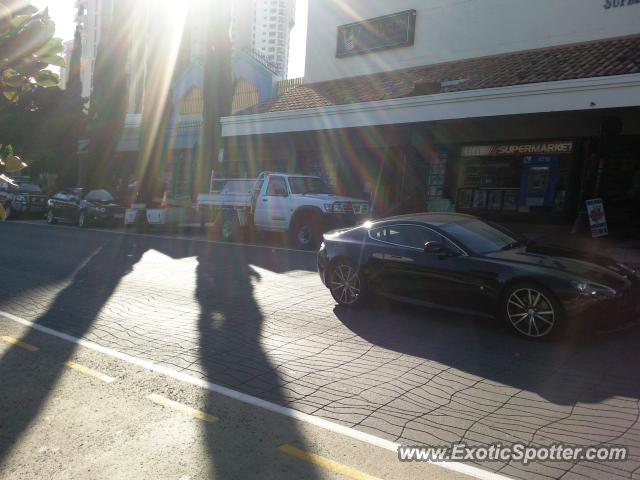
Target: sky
<point>63,14</point>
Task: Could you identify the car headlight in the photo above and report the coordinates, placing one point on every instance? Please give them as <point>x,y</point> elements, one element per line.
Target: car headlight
<point>328,207</point>
<point>589,289</point>
<point>101,209</point>
<point>629,270</point>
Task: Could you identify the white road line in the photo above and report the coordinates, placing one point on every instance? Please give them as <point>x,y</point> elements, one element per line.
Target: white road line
<point>166,237</point>
<point>250,400</point>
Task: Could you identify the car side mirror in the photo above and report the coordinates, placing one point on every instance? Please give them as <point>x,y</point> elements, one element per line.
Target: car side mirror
<point>434,247</point>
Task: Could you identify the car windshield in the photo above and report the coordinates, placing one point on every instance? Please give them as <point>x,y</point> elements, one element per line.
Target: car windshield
<point>481,237</point>
<point>99,196</point>
<point>305,185</point>
<point>29,188</point>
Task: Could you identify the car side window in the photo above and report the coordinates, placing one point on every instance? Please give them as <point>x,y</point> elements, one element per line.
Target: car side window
<point>277,187</point>
<point>406,235</point>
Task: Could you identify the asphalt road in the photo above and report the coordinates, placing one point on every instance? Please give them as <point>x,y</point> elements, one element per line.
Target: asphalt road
<point>258,321</point>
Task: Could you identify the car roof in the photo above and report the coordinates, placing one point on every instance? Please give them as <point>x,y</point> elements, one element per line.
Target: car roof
<point>435,219</point>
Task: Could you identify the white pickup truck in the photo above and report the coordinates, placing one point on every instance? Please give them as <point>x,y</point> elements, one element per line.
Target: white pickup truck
<point>302,205</point>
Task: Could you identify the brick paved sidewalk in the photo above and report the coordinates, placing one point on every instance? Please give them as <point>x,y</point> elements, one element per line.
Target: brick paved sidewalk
<point>260,321</point>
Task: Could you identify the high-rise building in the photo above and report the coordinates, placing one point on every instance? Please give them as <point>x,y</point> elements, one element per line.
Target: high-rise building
<point>264,27</point>
<point>64,71</point>
<point>90,16</point>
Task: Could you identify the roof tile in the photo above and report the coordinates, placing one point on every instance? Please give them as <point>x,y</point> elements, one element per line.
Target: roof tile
<point>593,59</point>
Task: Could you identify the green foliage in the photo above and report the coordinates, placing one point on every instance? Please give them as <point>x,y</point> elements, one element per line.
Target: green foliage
<point>44,131</point>
<point>27,48</point>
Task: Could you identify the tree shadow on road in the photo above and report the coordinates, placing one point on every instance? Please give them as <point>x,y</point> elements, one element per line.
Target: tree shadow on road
<point>231,325</point>
<point>73,310</point>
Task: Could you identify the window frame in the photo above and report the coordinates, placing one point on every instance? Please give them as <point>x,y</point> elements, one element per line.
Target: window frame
<point>462,251</point>
<point>277,178</point>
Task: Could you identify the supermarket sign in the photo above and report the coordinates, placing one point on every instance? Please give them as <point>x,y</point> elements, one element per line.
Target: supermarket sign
<point>543,148</point>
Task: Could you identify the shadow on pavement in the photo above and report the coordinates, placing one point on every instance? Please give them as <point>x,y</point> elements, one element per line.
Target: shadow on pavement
<point>588,368</point>
<point>73,310</point>
<point>231,352</point>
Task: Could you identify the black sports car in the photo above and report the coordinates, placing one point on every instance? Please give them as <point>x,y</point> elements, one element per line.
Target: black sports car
<point>94,207</point>
<point>464,264</point>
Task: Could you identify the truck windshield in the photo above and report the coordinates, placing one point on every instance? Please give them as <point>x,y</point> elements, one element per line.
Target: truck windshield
<point>304,185</point>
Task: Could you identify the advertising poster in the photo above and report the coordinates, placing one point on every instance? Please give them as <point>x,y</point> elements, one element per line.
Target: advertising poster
<point>539,179</point>
<point>597,218</point>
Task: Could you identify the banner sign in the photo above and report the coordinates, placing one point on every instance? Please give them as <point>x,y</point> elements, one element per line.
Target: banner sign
<point>517,149</point>
<point>597,218</point>
<point>380,33</point>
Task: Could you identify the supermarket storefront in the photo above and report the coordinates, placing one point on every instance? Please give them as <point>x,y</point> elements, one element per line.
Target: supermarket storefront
<point>517,180</point>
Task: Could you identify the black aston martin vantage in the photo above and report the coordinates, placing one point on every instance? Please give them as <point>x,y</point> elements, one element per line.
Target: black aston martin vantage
<point>467,265</point>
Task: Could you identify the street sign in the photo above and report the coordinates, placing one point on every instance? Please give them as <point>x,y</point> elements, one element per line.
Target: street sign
<point>597,218</point>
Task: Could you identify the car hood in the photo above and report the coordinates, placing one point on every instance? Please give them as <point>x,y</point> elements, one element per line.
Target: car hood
<point>328,197</point>
<point>576,263</point>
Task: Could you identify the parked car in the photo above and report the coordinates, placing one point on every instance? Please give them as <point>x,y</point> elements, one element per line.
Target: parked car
<point>464,264</point>
<point>303,206</point>
<point>25,199</point>
<point>95,207</point>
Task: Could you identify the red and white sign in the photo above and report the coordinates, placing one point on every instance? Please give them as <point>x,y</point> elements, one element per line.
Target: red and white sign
<point>597,218</point>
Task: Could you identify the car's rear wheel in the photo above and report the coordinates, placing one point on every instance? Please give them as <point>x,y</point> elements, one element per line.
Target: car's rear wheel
<point>51,218</point>
<point>533,311</point>
<point>346,284</point>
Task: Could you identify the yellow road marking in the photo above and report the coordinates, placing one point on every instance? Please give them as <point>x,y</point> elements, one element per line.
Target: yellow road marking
<point>165,402</point>
<point>325,463</point>
<point>19,343</point>
<point>88,371</point>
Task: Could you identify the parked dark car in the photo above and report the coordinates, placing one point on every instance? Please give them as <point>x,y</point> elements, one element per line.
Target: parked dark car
<point>463,264</point>
<point>27,199</point>
<point>95,207</point>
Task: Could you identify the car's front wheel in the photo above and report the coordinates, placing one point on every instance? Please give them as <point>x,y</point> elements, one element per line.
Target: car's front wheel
<point>533,311</point>
<point>346,284</point>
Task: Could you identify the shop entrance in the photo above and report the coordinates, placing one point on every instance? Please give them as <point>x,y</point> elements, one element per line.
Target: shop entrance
<point>401,185</point>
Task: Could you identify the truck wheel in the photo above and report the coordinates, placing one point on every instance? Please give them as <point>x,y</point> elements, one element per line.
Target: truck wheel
<point>229,227</point>
<point>306,233</point>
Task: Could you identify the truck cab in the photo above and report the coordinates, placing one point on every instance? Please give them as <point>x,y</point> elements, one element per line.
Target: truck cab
<point>304,206</point>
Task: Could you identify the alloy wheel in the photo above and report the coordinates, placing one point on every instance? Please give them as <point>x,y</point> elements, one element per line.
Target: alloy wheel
<point>345,284</point>
<point>530,312</point>
<point>304,235</point>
